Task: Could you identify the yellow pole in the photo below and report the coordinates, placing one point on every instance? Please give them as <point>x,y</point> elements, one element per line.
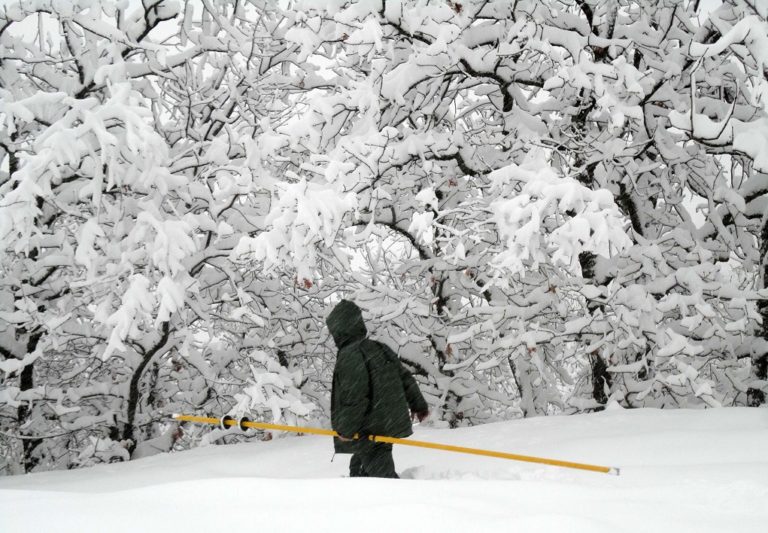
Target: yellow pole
<point>404,442</point>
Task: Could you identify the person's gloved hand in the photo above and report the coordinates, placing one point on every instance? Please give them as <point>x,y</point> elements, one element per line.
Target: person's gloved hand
<point>420,415</point>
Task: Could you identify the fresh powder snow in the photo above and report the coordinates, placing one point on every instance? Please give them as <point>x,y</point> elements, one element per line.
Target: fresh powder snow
<point>681,471</point>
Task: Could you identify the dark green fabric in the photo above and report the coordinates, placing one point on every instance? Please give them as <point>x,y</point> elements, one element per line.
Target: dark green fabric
<point>346,323</point>
<point>373,459</point>
<point>372,392</point>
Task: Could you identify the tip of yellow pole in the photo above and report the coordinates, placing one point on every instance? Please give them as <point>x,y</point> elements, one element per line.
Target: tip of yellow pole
<point>614,471</point>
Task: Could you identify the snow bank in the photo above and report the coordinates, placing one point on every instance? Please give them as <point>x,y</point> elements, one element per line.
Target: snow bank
<point>682,471</point>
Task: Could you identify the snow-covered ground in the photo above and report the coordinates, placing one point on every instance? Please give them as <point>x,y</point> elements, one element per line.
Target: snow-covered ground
<point>694,471</point>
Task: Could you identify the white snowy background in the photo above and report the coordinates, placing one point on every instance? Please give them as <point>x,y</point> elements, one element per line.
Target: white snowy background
<point>554,211</point>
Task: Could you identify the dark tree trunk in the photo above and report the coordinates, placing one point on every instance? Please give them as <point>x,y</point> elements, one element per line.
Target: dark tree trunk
<point>26,383</point>
<point>134,393</point>
<point>601,378</point>
<point>755,396</point>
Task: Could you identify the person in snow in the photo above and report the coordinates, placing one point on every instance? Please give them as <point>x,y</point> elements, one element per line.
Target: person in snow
<point>372,394</point>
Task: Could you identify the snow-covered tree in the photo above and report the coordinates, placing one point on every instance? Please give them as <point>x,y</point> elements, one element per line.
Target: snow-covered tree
<point>128,134</point>
<point>535,163</point>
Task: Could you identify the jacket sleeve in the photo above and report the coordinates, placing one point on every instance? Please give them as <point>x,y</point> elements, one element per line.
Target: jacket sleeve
<point>416,401</point>
<point>351,378</point>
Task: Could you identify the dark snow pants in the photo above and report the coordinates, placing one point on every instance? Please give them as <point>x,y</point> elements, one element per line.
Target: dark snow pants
<point>372,459</point>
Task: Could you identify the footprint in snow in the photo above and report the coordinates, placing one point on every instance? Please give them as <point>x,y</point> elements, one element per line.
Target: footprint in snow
<point>426,472</point>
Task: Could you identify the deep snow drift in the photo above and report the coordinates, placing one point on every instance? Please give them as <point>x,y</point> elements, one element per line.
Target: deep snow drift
<point>681,471</point>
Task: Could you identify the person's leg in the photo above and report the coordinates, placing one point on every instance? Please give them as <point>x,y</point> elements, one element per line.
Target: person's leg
<point>356,466</point>
<point>377,460</point>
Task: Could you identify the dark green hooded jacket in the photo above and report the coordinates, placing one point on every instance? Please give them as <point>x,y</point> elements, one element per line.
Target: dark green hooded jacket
<point>372,391</point>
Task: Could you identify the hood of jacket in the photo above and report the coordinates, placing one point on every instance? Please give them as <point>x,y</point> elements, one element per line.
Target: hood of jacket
<point>346,323</point>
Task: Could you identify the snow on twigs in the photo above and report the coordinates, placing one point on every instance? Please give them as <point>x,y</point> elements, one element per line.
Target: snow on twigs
<point>554,218</point>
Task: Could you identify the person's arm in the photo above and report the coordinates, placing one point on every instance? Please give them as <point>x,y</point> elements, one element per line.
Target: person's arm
<point>352,381</point>
<point>416,402</point>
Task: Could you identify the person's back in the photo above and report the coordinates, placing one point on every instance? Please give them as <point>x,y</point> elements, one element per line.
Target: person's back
<point>371,394</point>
